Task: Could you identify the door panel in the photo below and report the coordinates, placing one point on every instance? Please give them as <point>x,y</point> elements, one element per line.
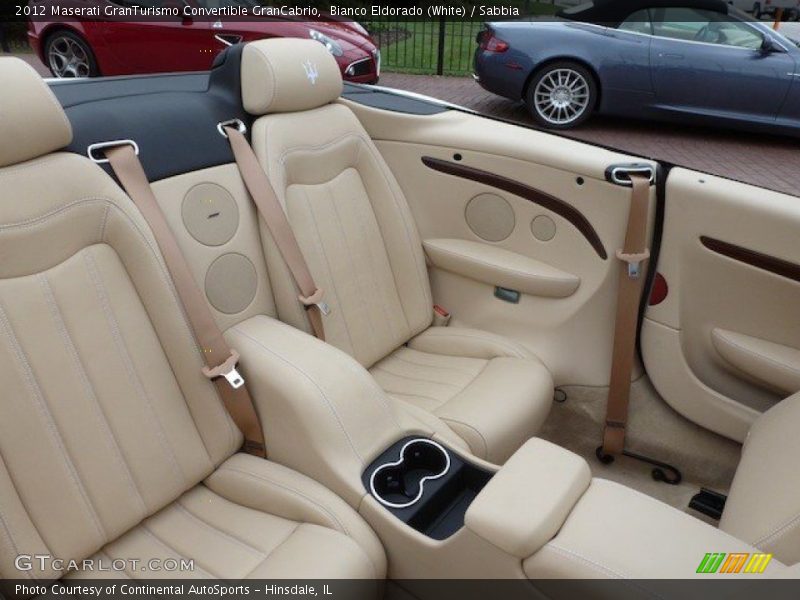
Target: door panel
<point>538,203</point>
<point>704,60</point>
<point>724,344</point>
<point>166,46</point>
<point>719,78</point>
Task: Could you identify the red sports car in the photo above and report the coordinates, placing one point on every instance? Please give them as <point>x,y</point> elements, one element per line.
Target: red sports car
<point>99,45</point>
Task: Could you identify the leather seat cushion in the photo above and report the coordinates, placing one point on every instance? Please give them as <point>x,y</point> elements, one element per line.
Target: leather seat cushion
<point>763,506</point>
<point>615,532</point>
<point>254,519</point>
<point>489,391</point>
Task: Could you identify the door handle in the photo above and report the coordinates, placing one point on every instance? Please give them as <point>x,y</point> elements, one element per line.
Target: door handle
<point>670,55</point>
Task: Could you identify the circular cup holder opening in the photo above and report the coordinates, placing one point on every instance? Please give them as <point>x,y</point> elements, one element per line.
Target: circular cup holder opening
<point>401,483</point>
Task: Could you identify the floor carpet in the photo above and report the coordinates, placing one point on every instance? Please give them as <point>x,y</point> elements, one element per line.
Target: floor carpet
<point>705,459</point>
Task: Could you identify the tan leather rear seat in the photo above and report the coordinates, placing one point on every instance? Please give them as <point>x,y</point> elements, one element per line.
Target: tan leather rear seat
<point>763,506</point>
<point>112,443</point>
<point>359,239</point>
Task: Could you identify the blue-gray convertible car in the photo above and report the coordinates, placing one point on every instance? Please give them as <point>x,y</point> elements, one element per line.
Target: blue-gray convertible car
<point>701,62</point>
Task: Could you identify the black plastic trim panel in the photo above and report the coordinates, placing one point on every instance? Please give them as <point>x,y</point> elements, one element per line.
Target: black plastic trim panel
<point>389,101</point>
<point>173,118</point>
<point>440,511</point>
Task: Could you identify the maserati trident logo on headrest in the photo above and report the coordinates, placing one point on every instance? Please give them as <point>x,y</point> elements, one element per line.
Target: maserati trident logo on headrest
<point>311,71</point>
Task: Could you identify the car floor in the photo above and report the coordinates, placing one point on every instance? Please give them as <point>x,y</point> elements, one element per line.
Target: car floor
<point>705,459</point>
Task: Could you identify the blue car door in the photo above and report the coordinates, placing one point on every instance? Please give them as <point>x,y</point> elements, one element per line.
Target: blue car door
<point>790,110</point>
<point>705,62</point>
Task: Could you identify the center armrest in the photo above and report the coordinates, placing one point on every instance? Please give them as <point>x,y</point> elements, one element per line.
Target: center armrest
<point>321,411</point>
<point>527,501</point>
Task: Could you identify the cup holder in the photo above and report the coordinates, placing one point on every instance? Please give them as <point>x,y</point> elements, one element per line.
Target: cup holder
<point>401,483</point>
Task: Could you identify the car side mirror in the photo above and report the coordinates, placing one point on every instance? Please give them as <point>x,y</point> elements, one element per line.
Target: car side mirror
<point>768,45</point>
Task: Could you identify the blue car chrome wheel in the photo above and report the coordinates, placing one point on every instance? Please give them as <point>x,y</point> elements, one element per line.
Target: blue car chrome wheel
<point>562,95</point>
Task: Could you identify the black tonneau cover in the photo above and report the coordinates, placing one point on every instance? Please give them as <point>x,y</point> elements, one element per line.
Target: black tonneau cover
<point>614,12</point>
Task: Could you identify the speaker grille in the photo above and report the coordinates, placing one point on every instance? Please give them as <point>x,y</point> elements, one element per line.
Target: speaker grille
<point>231,283</point>
<point>210,214</point>
<point>490,217</point>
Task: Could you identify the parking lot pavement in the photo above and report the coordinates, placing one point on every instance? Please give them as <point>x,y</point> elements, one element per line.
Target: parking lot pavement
<point>768,161</point>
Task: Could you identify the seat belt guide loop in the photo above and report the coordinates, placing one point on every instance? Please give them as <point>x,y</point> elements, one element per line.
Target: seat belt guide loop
<point>315,299</point>
<point>634,261</point>
<point>227,370</point>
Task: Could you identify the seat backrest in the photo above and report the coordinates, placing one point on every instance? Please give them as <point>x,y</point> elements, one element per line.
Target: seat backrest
<point>106,417</point>
<point>347,211</point>
<point>763,506</point>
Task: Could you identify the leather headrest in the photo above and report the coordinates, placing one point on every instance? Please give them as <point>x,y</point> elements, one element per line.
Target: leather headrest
<point>288,75</point>
<point>32,122</point>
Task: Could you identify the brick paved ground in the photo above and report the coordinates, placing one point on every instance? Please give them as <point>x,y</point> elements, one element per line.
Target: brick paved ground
<point>764,160</point>
<point>767,161</point>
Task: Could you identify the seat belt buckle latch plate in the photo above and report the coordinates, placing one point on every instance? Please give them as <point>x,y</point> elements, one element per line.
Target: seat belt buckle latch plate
<point>234,378</point>
<point>315,299</point>
<point>227,370</point>
<point>634,262</point>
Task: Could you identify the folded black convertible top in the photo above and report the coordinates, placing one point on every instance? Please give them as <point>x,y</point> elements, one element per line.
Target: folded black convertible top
<point>613,12</point>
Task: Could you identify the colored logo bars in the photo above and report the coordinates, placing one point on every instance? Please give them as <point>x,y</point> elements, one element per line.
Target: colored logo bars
<point>735,562</point>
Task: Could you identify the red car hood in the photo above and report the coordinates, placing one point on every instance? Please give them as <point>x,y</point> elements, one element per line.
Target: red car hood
<point>288,27</point>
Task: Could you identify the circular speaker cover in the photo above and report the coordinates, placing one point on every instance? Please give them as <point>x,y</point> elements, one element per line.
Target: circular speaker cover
<point>231,283</point>
<point>543,228</point>
<point>210,214</point>
<point>490,217</point>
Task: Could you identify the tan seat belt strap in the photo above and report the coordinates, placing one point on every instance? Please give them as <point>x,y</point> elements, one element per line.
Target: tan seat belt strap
<point>633,257</point>
<point>272,212</point>
<point>220,359</point>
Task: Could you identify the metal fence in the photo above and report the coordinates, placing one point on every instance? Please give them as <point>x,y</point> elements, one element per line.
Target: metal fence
<point>426,47</point>
<point>440,46</point>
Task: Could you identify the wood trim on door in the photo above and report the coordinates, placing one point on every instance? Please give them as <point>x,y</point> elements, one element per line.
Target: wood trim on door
<point>778,266</point>
<point>558,206</point>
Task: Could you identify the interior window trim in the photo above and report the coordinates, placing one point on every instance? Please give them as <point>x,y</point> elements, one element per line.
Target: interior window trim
<point>777,42</point>
<point>732,18</point>
<point>649,23</point>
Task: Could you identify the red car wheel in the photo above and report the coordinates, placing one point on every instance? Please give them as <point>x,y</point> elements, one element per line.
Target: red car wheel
<point>69,55</point>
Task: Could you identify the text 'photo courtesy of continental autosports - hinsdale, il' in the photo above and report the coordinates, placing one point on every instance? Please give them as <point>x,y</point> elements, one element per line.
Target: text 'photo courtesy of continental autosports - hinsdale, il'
<point>400,300</point>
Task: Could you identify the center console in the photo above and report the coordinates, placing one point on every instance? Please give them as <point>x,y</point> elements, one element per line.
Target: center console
<point>439,512</point>
<point>443,513</point>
